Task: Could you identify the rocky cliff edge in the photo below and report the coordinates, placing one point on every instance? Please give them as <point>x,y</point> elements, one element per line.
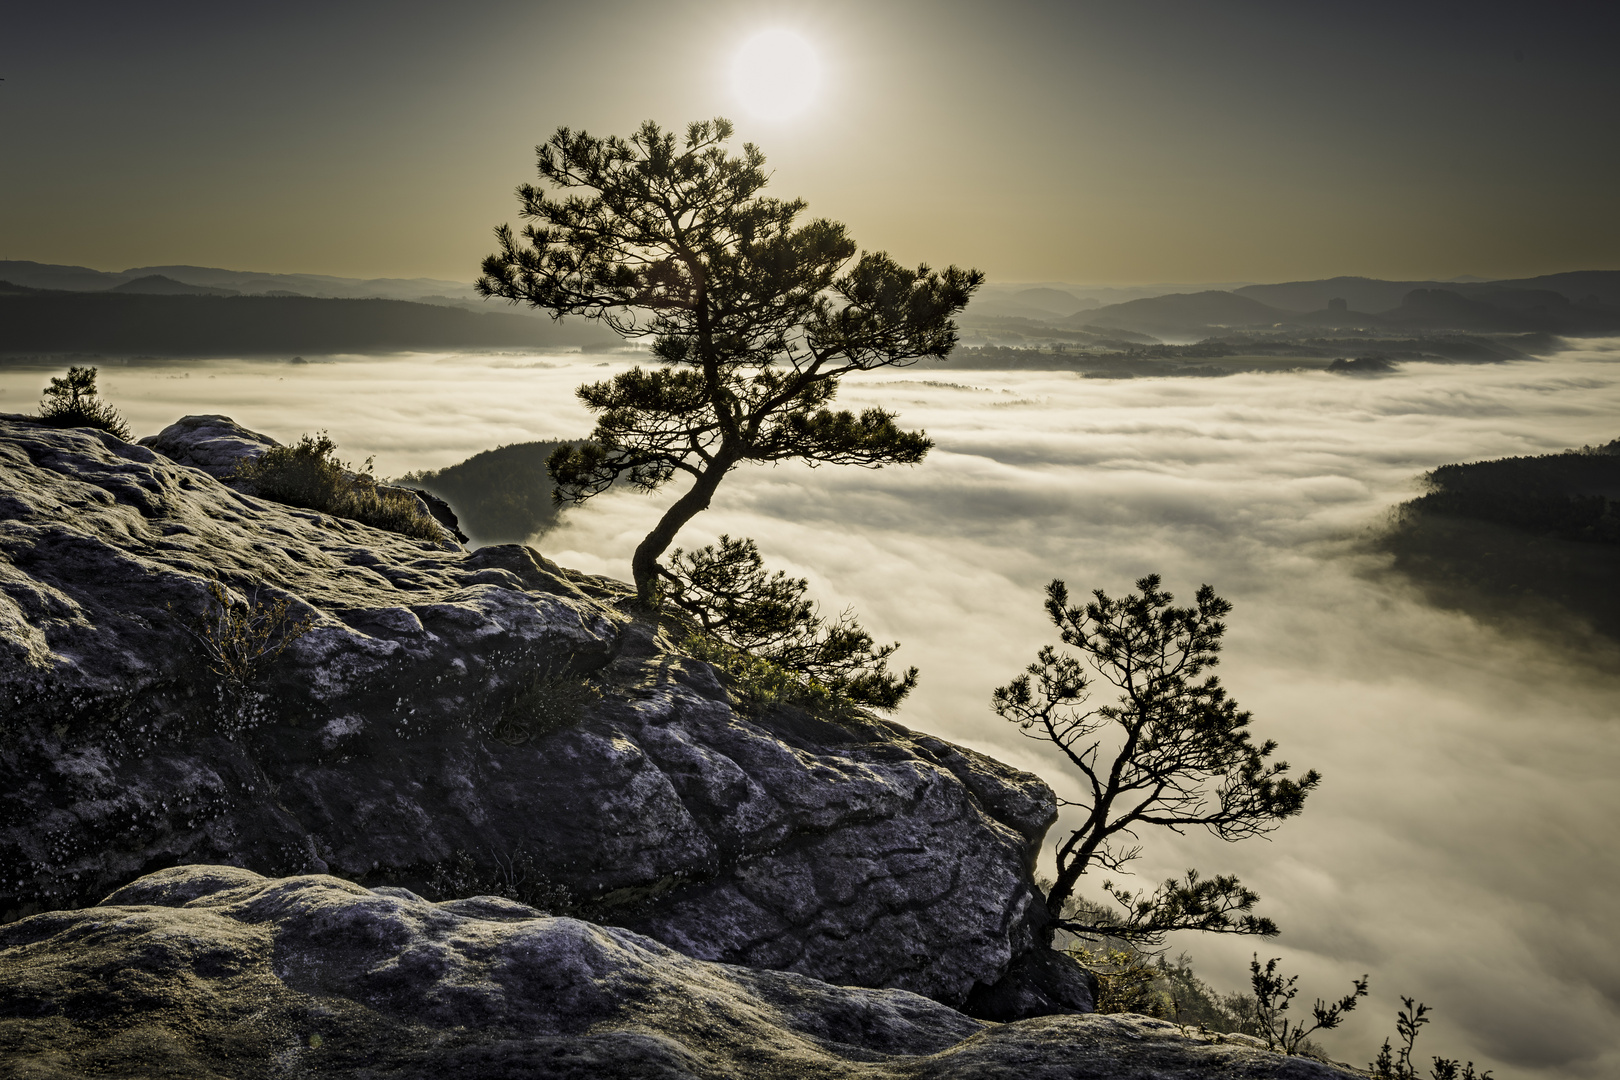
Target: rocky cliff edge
<point>458,722</point>
<point>215,971</point>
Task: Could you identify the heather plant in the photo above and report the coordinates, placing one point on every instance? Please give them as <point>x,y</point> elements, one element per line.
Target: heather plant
<point>72,401</point>
<point>1128,980</point>
<point>515,876</point>
<point>238,639</point>
<point>1397,1064</point>
<point>544,701</point>
<point>308,474</point>
<point>1272,996</point>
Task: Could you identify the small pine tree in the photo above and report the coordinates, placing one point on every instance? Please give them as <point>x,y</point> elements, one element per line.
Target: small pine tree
<point>1174,752</point>
<point>71,401</point>
<point>754,320</point>
<point>729,594</point>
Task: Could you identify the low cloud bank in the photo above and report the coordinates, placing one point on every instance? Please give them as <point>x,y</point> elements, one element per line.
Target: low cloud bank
<point>1461,849</point>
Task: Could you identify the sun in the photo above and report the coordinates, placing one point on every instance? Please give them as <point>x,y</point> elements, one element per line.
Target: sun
<point>776,74</point>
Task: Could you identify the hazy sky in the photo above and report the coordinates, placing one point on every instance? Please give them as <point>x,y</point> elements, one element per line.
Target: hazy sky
<point>1162,140</point>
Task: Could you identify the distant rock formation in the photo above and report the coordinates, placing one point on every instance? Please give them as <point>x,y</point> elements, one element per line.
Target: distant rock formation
<point>453,722</point>
<point>215,971</point>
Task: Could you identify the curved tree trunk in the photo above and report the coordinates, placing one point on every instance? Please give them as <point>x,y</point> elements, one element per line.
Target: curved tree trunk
<point>644,564</point>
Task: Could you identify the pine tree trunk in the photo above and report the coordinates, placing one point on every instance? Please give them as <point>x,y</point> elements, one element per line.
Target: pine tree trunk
<point>644,564</point>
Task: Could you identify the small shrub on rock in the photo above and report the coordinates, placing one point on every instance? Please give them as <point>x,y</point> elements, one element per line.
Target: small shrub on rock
<point>1127,981</point>
<point>544,701</point>
<point>309,475</point>
<point>1396,1064</point>
<point>71,401</point>
<point>1272,996</point>
<point>238,639</point>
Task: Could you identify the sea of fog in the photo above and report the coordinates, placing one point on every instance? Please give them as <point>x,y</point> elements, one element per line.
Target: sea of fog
<point>1462,847</point>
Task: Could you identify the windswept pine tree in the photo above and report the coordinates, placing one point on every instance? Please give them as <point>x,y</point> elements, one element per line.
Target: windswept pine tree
<point>754,318</point>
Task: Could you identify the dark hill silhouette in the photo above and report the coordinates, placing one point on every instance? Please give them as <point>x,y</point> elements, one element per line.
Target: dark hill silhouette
<point>260,325</point>
<point>1436,309</point>
<point>35,275</point>
<point>158,285</point>
<point>1056,301</point>
<point>83,279</point>
<point>1577,286</point>
<point>1181,313</point>
<point>1521,537</point>
<point>1488,310</point>
<point>500,496</point>
<point>1360,293</point>
<point>1374,295</point>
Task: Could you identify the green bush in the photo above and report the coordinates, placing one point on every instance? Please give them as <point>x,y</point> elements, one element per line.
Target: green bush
<point>777,647</point>
<point>308,475</point>
<point>71,401</point>
<point>758,682</point>
<point>1128,980</point>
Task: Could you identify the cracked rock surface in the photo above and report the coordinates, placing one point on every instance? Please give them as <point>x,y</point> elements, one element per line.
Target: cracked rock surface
<point>206,971</point>
<point>457,723</point>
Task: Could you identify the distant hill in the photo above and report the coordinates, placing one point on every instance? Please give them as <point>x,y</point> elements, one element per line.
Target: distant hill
<point>124,322</point>
<point>1055,301</point>
<point>1038,304</point>
<point>1488,310</point>
<point>1526,537</point>
<point>83,279</point>
<point>1359,293</point>
<point>1577,286</point>
<point>501,496</point>
<point>1406,307</point>
<point>158,285</point>
<point>1373,295</point>
<point>1180,314</point>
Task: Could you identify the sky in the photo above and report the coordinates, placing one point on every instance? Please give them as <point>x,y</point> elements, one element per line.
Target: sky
<point>1461,847</point>
<point>1105,143</point>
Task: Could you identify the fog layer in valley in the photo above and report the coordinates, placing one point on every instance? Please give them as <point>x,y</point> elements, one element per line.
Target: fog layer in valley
<point>1461,848</point>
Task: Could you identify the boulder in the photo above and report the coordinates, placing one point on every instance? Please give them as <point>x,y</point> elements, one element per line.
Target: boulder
<point>457,723</point>
<point>216,971</point>
<point>215,444</point>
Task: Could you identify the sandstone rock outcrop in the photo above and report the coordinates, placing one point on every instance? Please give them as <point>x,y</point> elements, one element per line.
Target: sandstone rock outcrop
<point>213,443</point>
<point>217,445</point>
<point>215,971</point>
<point>458,722</point>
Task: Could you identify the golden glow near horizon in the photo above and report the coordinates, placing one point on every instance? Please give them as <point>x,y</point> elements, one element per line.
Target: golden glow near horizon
<point>1102,143</point>
<point>776,75</point>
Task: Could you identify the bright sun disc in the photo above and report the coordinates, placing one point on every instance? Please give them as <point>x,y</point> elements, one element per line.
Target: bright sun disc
<point>776,74</point>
